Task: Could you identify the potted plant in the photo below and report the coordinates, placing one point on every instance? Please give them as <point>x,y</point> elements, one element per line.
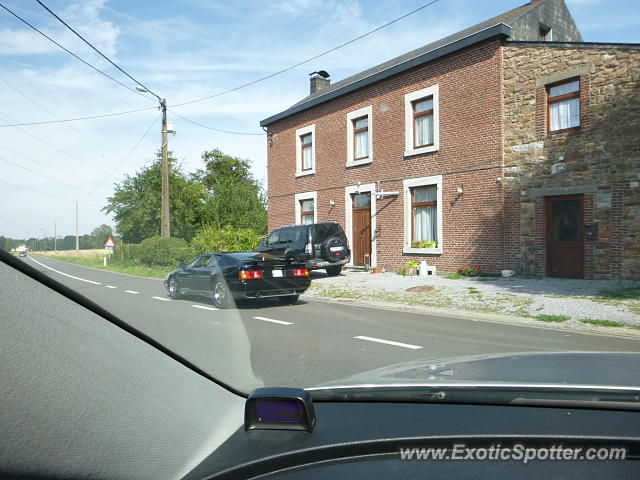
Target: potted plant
<point>411,268</point>
<point>424,244</point>
<point>469,270</point>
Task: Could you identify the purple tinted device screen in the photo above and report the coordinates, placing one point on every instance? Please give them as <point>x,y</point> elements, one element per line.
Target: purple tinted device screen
<point>278,410</point>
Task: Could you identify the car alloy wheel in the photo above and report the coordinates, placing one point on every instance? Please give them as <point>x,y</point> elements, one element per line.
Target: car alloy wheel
<point>174,292</point>
<point>221,294</point>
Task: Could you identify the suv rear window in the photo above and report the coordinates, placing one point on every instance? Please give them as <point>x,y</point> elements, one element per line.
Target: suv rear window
<point>322,231</point>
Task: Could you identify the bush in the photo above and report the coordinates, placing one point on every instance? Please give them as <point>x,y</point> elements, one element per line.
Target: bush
<point>411,264</point>
<point>227,239</point>
<point>154,252</point>
<point>469,270</point>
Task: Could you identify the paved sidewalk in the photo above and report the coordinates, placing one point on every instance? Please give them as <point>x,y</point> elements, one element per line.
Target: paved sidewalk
<point>581,303</point>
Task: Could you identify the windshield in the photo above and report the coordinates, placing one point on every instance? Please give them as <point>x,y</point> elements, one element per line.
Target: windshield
<point>420,194</point>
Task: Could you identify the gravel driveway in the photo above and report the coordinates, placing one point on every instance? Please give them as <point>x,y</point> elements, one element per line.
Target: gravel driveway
<point>610,303</point>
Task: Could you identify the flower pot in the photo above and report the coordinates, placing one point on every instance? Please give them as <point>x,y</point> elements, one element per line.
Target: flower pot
<point>409,271</point>
<point>377,270</point>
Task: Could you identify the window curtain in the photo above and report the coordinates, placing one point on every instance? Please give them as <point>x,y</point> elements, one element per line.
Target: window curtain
<point>307,158</point>
<point>425,222</point>
<point>424,130</point>
<point>362,144</point>
<point>565,114</point>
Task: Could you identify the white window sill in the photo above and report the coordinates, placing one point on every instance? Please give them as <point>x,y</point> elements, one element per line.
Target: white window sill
<point>423,251</point>
<point>419,151</point>
<point>356,163</point>
<point>304,174</point>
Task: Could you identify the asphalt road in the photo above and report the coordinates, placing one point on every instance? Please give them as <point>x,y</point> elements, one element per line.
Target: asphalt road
<point>308,343</point>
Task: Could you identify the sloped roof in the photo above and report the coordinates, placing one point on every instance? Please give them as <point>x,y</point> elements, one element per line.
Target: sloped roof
<point>496,26</point>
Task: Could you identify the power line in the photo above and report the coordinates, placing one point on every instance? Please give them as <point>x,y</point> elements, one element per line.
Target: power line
<point>307,60</point>
<point>71,53</point>
<point>96,50</point>
<point>36,191</point>
<point>77,119</point>
<point>213,128</point>
<point>133,149</point>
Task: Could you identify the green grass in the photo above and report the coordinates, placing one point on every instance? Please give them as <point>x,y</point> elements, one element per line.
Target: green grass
<point>603,323</point>
<point>453,276</point>
<point>97,262</point>
<point>631,293</point>
<point>552,318</point>
<point>484,279</point>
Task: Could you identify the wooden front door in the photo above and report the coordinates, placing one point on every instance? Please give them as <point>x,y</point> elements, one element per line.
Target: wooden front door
<point>361,233</point>
<point>565,236</point>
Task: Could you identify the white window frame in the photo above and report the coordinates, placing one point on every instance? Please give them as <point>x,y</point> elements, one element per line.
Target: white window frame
<point>348,215</point>
<point>409,98</point>
<point>298,208</point>
<point>299,133</point>
<point>351,116</point>
<point>408,219</point>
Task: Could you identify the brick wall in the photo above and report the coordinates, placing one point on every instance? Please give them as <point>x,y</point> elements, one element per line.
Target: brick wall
<point>470,156</point>
<point>601,158</point>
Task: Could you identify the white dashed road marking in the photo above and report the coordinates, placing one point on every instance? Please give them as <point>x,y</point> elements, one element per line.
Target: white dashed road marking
<point>388,342</point>
<point>273,321</point>
<point>110,286</point>
<point>162,298</point>
<point>203,307</point>
<point>131,291</point>
<point>65,274</point>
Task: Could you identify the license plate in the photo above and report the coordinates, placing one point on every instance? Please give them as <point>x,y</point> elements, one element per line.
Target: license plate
<point>336,249</point>
<point>276,273</point>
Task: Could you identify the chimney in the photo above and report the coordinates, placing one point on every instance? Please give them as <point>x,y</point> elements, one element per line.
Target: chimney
<point>319,81</point>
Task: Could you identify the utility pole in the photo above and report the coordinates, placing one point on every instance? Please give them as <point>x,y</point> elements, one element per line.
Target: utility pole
<point>165,225</point>
<point>55,236</point>
<point>77,229</point>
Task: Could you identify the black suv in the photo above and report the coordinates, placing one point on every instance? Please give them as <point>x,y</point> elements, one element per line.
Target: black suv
<point>318,245</point>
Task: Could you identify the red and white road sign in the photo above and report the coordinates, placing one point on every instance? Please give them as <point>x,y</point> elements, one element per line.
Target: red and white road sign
<point>109,243</point>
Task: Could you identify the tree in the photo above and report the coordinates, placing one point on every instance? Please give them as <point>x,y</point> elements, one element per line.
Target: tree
<point>100,235</point>
<point>135,203</point>
<point>235,198</point>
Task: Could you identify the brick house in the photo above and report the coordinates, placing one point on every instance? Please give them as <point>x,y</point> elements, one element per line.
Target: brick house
<point>510,145</point>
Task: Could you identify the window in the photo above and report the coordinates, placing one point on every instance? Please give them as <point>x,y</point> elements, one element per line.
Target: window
<point>422,121</point>
<point>306,208</point>
<point>306,151</point>
<point>423,215</point>
<point>273,238</point>
<point>308,211</point>
<point>200,262</point>
<point>359,137</point>
<point>564,105</point>
<point>545,34</point>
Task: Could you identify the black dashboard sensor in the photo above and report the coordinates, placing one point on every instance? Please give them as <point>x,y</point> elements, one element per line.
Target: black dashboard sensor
<point>279,409</point>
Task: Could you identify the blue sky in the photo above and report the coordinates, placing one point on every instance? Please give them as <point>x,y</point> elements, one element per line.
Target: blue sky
<point>183,50</point>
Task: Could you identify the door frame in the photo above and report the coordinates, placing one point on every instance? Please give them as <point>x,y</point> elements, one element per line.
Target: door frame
<point>547,222</point>
<point>348,215</point>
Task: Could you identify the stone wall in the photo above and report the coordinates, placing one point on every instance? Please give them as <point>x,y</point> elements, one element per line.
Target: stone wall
<point>550,13</point>
<point>600,159</point>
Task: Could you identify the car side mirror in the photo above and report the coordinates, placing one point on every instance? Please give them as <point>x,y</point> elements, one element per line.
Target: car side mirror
<point>263,242</point>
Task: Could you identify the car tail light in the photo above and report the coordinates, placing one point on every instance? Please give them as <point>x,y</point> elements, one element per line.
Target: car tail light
<point>300,272</point>
<point>308,248</point>
<point>250,274</point>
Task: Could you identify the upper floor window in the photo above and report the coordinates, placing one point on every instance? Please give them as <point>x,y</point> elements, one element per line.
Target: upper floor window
<point>564,105</point>
<point>306,150</point>
<point>359,137</point>
<point>422,122</point>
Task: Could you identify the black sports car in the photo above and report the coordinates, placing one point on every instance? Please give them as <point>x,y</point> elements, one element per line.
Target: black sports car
<point>225,276</point>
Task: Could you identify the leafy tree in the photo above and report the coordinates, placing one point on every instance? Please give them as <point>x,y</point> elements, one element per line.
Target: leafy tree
<point>136,203</point>
<point>100,235</point>
<point>235,198</point>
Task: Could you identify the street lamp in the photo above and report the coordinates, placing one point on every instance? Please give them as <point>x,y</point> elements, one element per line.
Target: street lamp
<point>165,224</point>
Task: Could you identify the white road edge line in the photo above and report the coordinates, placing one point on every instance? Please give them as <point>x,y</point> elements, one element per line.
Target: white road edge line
<point>203,307</point>
<point>162,298</point>
<point>131,291</point>
<point>65,274</point>
<point>388,342</point>
<point>264,319</point>
<point>110,286</point>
